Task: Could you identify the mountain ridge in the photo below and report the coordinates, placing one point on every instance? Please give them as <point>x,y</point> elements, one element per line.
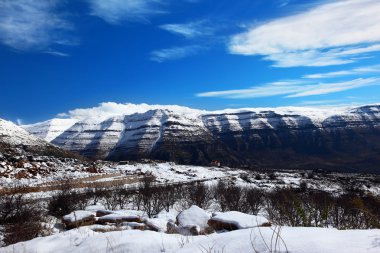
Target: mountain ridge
<point>286,137</point>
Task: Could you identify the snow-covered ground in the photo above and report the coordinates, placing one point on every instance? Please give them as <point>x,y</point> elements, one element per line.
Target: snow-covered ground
<point>172,173</point>
<point>296,239</point>
<point>104,238</point>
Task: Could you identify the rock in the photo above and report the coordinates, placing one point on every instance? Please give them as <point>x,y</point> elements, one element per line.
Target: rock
<point>171,227</point>
<point>118,218</point>
<point>151,224</point>
<point>101,213</point>
<point>189,230</point>
<point>194,216</point>
<point>136,225</point>
<point>78,219</point>
<point>236,220</point>
<point>192,221</point>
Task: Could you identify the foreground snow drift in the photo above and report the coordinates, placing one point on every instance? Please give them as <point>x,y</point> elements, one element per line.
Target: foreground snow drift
<point>297,240</point>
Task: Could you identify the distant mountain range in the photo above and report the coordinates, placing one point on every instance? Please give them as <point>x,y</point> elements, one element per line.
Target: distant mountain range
<point>266,138</point>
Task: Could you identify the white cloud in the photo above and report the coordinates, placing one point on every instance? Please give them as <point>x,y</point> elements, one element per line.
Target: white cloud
<point>31,24</point>
<point>189,30</point>
<point>116,11</point>
<point>174,53</point>
<point>355,71</point>
<point>291,89</point>
<point>111,109</point>
<point>57,53</point>
<point>329,34</point>
<point>326,88</point>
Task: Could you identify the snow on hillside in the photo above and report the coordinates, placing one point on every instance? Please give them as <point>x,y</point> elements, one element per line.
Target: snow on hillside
<point>50,129</point>
<point>297,240</point>
<point>15,135</point>
<point>98,118</point>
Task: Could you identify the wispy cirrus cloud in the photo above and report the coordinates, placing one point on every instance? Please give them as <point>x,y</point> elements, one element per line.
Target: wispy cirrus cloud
<point>175,53</point>
<point>116,11</point>
<point>32,24</point>
<point>374,69</point>
<point>57,53</point>
<point>292,89</point>
<point>190,30</point>
<point>202,33</point>
<point>329,34</point>
<point>327,88</point>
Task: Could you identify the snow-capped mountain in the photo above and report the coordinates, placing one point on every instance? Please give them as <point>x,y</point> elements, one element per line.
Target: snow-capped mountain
<point>288,137</point>
<point>14,135</point>
<point>16,140</point>
<point>50,129</point>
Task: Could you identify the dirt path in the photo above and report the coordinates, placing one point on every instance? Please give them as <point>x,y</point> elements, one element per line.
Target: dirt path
<point>96,181</point>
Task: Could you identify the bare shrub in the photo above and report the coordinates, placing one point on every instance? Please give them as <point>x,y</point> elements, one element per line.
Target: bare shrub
<point>146,192</point>
<point>23,220</point>
<point>9,205</point>
<point>199,194</point>
<point>66,200</point>
<point>254,200</point>
<point>168,195</point>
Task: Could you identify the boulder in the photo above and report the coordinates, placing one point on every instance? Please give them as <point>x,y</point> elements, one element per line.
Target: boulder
<point>171,227</point>
<point>194,216</point>
<point>101,213</point>
<point>154,225</point>
<point>118,218</point>
<point>236,220</point>
<point>136,225</point>
<point>189,230</point>
<point>78,219</point>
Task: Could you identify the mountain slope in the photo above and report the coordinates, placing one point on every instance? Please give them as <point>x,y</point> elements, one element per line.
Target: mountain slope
<point>277,138</point>
<point>15,139</point>
<point>50,129</point>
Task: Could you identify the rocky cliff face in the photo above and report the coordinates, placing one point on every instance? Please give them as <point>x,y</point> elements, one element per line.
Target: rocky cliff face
<point>347,140</point>
<point>281,138</point>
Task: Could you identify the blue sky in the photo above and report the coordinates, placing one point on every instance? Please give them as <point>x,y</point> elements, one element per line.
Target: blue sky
<point>59,55</point>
